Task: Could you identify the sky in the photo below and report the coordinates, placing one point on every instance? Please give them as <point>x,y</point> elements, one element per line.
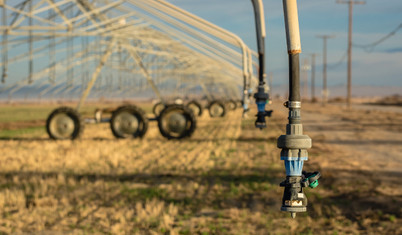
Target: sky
<point>371,22</point>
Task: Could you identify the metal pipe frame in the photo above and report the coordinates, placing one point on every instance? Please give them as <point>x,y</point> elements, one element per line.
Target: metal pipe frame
<point>192,54</point>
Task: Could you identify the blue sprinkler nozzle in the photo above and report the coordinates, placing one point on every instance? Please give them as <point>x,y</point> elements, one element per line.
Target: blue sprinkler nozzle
<point>294,166</point>
<point>261,99</point>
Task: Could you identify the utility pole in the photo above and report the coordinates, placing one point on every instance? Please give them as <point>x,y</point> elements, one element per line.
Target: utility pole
<point>324,72</point>
<point>270,79</point>
<point>350,3</point>
<point>313,77</point>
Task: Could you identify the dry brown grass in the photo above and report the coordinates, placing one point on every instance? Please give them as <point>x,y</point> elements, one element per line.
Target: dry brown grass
<point>224,180</point>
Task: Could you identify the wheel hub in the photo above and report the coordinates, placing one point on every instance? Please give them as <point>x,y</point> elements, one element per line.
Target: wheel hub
<point>127,123</point>
<point>176,122</point>
<point>216,110</point>
<point>62,126</point>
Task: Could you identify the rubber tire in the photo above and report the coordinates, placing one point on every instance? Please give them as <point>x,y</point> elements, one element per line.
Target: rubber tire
<point>189,116</point>
<point>196,103</point>
<point>74,115</point>
<point>220,103</point>
<point>232,105</point>
<point>140,115</point>
<point>155,108</point>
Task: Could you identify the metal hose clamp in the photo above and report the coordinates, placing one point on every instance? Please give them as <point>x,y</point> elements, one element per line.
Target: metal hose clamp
<point>292,104</point>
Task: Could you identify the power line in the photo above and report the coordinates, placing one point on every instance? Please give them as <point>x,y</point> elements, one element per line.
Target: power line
<point>340,61</point>
<point>370,47</point>
<point>367,47</point>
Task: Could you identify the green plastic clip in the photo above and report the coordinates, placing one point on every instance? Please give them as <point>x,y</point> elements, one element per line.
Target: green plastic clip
<point>313,184</point>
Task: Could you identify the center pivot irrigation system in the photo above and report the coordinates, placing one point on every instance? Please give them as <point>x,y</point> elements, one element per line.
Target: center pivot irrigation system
<point>86,49</point>
<point>127,47</point>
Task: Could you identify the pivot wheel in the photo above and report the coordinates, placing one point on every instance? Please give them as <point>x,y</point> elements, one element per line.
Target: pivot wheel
<point>64,123</point>
<point>157,109</point>
<point>232,105</point>
<point>176,122</point>
<point>129,122</point>
<point>195,107</point>
<point>217,109</point>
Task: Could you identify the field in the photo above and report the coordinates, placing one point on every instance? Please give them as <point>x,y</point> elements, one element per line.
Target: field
<point>224,180</point>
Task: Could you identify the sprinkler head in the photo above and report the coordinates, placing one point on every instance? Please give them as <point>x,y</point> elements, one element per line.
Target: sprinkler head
<point>261,99</point>
<point>294,200</point>
<point>260,122</point>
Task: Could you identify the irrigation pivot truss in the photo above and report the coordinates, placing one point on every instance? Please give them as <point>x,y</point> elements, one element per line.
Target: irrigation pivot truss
<point>80,48</point>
